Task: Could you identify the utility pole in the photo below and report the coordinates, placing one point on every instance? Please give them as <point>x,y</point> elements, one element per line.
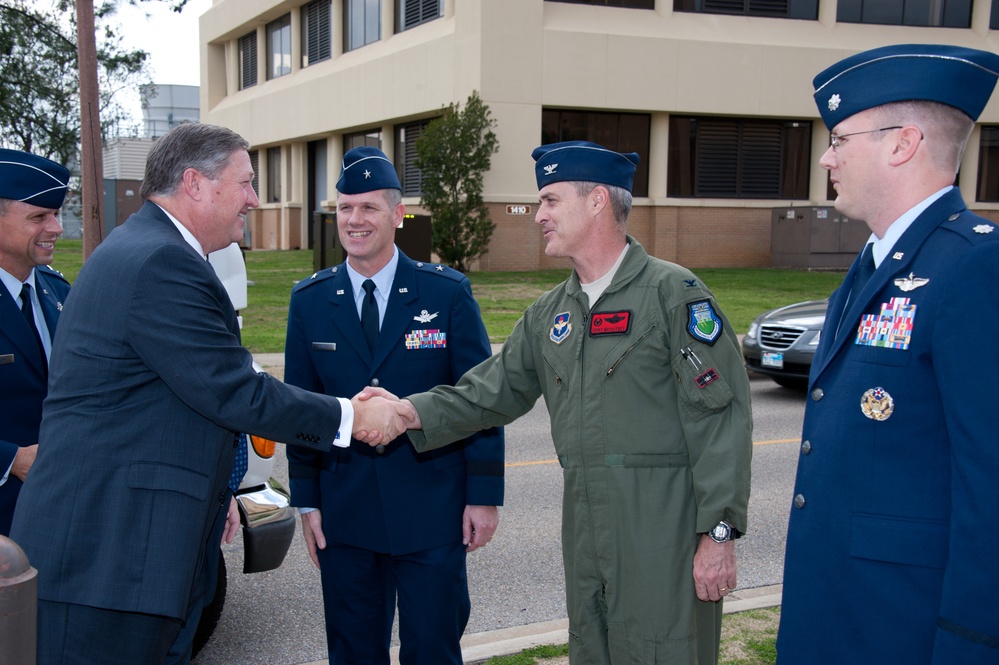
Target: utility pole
<point>91,155</point>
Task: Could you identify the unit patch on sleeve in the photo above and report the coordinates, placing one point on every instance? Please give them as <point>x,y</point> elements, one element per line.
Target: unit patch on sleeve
<point>560,327</point>
<point>610,323</point>
<point>703,323</point>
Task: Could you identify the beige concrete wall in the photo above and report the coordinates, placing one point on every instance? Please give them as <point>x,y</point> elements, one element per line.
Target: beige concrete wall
<point>526,55</point>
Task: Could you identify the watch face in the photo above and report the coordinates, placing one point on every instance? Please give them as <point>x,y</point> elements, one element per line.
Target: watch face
<point>721,533</point>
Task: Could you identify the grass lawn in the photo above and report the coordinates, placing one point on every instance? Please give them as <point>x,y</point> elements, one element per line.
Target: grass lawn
<point>502,296</point>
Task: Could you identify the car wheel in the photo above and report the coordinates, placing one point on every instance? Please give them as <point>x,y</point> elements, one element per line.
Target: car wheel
<point>791,383</point>
<point>213,611</point>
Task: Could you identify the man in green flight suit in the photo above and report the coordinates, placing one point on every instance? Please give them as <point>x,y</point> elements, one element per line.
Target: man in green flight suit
<point>650,417</point>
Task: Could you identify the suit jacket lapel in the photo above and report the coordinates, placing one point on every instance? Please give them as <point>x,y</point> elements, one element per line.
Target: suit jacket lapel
<point>901,257</point>
<point>397,317</point>
<point>19,334</point>
<point>343,315</point>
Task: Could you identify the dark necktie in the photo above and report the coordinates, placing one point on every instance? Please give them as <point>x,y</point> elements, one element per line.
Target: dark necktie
<point>369,315</point>
<point>29,317</point>
<point>864,271</point>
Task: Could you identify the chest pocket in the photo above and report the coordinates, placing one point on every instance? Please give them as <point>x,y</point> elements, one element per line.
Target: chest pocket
<point>702,389</point>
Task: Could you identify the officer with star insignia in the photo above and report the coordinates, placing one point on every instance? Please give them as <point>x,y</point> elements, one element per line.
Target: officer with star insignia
<point>389,524</point>
<point>650,417</point>
<point>891,544</point>
<point>32,190</point>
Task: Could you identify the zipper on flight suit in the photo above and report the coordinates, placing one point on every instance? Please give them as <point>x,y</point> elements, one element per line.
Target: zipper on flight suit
<point>610,370</point>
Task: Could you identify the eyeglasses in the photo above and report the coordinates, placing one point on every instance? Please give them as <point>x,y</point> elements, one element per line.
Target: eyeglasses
<point>836,140</point>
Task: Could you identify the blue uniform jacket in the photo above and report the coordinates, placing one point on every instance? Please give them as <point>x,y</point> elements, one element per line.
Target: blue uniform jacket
<point>23,378</point>
<point>891,549</point>
<point>399,501</point>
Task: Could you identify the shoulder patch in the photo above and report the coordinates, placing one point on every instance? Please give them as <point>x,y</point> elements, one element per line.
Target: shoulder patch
<point>314,278</point>
<point>51,271</point>
<point>703,323</point>
<point>440,270</point>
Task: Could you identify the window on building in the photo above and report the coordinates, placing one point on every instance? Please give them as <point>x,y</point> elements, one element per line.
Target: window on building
<point>362,23</point>
<point>994,21</point>
<point>799,9</point>
<point>934,13</point>
<point>623,132</point>
<point>627,4</point>
<point>371,139</point>
<point>988,164</point>
<point>255,165</point>
<point>279,47</point>
<point>411,13</point>
<point>405,157</point>
<point>274,175</point>
<point>248,60</point>
<point>317,32</point>
<point>743,158</point>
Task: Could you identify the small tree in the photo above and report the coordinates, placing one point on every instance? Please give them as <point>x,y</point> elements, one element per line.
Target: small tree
<point>453,153</point>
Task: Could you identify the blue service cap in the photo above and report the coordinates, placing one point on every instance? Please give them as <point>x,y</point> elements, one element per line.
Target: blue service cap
<point>32,179</point>
<point>366,169</point>
<point>583,161</point>
<point>959,77</point>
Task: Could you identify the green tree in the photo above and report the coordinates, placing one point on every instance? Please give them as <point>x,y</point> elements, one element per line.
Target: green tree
<point>453,153</point>
<point>39,107</point>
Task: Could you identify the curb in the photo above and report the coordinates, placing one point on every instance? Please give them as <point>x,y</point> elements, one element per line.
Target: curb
<point>477,648</point>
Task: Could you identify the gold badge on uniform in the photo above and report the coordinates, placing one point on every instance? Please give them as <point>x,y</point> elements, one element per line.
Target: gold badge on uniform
<point>877,404</point>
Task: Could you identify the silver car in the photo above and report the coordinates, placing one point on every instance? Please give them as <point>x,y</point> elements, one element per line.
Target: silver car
<point>781,343</point>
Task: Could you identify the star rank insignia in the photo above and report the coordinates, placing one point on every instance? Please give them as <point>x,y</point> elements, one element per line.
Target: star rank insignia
<point>983,228</point>
<point>440,268</point>
<point>367,174</point>
<point>911,283</point>
<point>834,102</point>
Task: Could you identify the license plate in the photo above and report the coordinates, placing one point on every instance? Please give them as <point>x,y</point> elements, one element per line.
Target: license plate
<point>771,359</point>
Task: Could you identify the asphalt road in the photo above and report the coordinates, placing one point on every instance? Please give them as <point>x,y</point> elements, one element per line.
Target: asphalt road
<point>277,617</point>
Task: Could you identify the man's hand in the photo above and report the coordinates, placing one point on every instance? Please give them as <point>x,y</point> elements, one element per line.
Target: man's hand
<point>478,526</point>
<point>23,459</point>
<point>714,569</point>
<point>312,529</point>
<point>231,522</point>
<point>379,416</point>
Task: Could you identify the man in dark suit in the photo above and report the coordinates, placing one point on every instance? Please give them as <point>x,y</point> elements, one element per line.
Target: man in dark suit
<point>389,523</point>
<point>891,546</point>
<point>128,499</point>
<point>32,190</point>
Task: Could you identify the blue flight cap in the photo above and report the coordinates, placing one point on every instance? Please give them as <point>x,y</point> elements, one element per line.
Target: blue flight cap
<point>583,161</point>
<point>32,179</point>
<point>959,77</point>
<point>366,169</point>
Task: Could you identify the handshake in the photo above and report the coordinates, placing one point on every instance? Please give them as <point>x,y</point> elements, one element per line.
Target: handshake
<point>380,416</point>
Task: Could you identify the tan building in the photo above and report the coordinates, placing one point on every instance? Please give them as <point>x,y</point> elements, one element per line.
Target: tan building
<point>715,95</point>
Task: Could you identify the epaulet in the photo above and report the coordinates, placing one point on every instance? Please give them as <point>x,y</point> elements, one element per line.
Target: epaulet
<point>52,271</point>
<point>973,227</point>
<point>315,278</point>
<point>440,270</point>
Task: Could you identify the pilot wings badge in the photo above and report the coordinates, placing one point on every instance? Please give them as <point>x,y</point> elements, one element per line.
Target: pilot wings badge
<point>911,283</point>
<point>425,316</point>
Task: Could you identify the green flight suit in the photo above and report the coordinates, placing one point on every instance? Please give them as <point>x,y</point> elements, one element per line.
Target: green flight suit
<point>651,420</point>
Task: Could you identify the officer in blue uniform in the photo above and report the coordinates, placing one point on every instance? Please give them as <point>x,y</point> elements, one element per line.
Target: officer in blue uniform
<point>391,524</point>
<point>32,190</point>
<point>891,548</point>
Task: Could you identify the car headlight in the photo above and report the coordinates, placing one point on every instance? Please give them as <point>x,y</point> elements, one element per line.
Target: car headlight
<point>753,329</point>
<point>815,340</point>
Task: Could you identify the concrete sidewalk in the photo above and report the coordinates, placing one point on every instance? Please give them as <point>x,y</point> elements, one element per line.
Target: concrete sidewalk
<point>480,647</point>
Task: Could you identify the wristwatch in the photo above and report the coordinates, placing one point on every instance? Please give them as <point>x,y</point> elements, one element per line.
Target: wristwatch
<point>722,532</point>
